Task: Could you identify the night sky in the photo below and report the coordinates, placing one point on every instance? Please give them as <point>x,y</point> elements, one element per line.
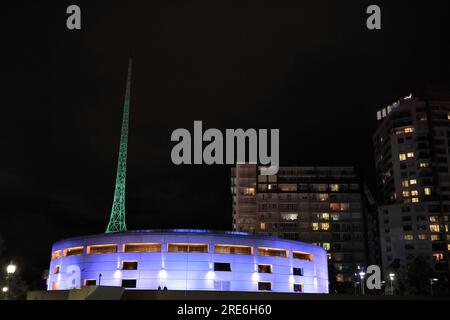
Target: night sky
<point>310,68</point>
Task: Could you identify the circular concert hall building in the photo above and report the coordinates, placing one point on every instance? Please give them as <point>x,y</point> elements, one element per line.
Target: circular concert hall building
<point>185,259</point>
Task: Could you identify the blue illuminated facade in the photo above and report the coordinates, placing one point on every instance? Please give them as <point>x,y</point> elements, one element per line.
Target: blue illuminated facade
<point>188,259</point>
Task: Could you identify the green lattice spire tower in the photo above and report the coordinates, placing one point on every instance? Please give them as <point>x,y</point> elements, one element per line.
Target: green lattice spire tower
<point>117,218</point>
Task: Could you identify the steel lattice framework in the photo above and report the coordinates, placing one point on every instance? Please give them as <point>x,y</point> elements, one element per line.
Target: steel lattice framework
<point>117,219</point>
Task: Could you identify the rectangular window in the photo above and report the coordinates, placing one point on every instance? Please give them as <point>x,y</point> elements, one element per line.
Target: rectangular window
<point>102,249</point>
<point>410,154</point>
<point>325,226</point>
<point>408,237</point>
<point>413,181</point>
<point>315,226</point>
<point>129,265</point>
<point>427,191</point>
<point>75,251</point>
<point>402,156</point>
<point>266,286</point>
<point>273,252</point>
<point>264,268</point>
<point>289,216</point>
<point>56,254</point>
<point>142,247</point>
<point>298,287</point>
<point>414,193</point>
<point>297,271</point>
<point>302,255</point>
<point>323,196</point>
<point>90,282</point>
<point>405,194</point>
<point>415,200</point>
<point>129,283</point>
<point>187,247</point>
<point>334,187</point>
<point>422,236</point>
<point>233,249</point>
<point>288,187</point>
<point>222,266</point>
<point>434,228</point>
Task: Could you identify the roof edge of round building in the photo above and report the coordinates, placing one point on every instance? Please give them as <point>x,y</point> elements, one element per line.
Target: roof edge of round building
<point>187,232</point>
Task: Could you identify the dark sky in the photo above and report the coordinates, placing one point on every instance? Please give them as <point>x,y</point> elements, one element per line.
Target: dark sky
<point>309,68</point>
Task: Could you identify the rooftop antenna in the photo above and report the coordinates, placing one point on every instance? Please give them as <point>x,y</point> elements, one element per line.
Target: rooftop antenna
<point>117,219</point>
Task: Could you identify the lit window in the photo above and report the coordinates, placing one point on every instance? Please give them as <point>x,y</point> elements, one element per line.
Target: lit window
<point>323,196</point>
<point>434,219</point>
<point>141,247</point>
<point>102,248</point>
<point>334,187</point>
<point>408,237</point>
<point>129,265</point>
<point>402,156</point>
<point>415,200</point>
<point>437,256</point>
<point>326,245</point>
<point>264,268</point>
<point>325,226</point>
<point>427,191</point>
<point>302,255</point>
<point>405,183</point>
<point>248,192</point>
<point>232,249</point>
<point>273,252</point>
<point>191,247</point>
<point>262,226</point>
<point>414,193</point>
<point>435,237</point>
<point>75,251</point>
<point>448,116</point>
<point>422,236</point>
<point>434,227</point>
<point>405,193</point>
<point>424,164</point>
<point>56,254</point>
<point>315,226</point>
<point>413,181</point>
<point>408,130</point>
<point>410,154</point>
<point>325,216</point>
<point>335,217</point>
<point>448,247</point>
<point>289,216</point>
<point>90,282</point>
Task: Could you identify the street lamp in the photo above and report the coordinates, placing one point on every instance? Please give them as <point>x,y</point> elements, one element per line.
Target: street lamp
<point>361,275</point>
<point>391,278</point>
<point>11,269</point>
<point>432,281</point>
<point>4,290</point>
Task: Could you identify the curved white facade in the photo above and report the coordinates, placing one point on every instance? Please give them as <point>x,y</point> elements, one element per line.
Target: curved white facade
<point>188,260</point>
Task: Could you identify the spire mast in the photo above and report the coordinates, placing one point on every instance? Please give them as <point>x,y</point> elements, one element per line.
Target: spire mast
<point>117,218</point>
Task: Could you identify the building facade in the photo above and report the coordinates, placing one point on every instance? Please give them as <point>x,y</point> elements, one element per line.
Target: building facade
<point>318,205</point>
<point>189,260</point>
<point>412,145</point>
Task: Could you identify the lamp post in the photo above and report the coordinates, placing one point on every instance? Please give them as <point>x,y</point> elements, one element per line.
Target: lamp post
<point>5,292</point>
<point>361,275</point>
<point>10,270</point>
<point>391,278</point>
<point>432,281</point>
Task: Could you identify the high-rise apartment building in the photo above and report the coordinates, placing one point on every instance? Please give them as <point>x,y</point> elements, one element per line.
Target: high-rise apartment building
<point>412,157</point>
<point>318,205</point>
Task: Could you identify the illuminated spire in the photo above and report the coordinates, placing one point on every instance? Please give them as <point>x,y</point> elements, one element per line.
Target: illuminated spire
<point>117,218</point>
